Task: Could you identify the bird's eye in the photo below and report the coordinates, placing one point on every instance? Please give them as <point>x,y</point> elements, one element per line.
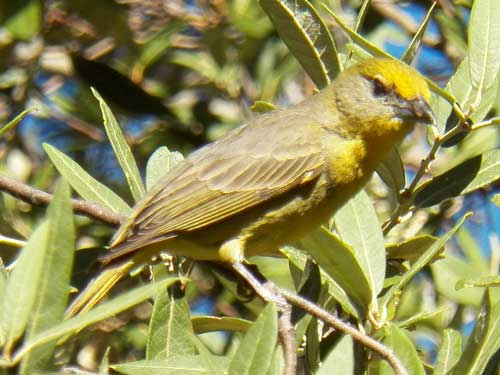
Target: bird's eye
<point>379,88</point>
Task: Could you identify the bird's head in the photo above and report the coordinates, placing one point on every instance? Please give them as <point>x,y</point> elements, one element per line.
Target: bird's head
<point>382,98</point>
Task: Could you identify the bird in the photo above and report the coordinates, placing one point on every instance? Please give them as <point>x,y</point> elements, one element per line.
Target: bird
<point>269,182</point>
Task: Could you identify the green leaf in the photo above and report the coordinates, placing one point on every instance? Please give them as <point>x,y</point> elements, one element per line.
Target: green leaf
<point>448,272</point>
<point>54,283</point>
<point>340,360</point>
<point>121,149</point>
<point>486,281</point>
<point>159,164</point>
<point>422,261</point>
<point>157,45</point>
<point>484,45</point>
<point>337,259</point>
<point>13,123</point>
<point>210,362</point>
<point>449,352</point>
<point>103,311</point>
<point>307,37</point>
<point>392,171</point>
<point>25,23</point>
<point>262,106</point>
<point>84,184</point>
<point>411,249</point>
<point>412,49</point>
<point>188,365</point>
<point>170,330</point>
<point>397,339</point>
<point>358,225</point>
<point>484,340</point>
<point>466,177</point>
<point>255,353</point>
<point>19,295</point>
<point>204,324</point>
<point>298,259</point>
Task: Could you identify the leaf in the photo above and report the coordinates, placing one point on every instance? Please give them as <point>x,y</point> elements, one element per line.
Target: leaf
<point>496,199</point>
<point>486,281</point>
<point>398,340</point>
<point>53,285</point>
<point>13,123</point>
<point>449,352</point>
<point>448,272</point>
<point>340,360</point>
<point>209,361</point>
<point>84,184</point>
<point>484,340</point>
<point>358,225</point>
<point>339,262</point>
<point>412,49</point>
<point>159,164</point>
<point>484,45</point>
<point>121,149</point>
<point>188,365</point>
<point>261,106</point>
<point>307,37</point>
<point>170,330</point>
<point>255,352</point>
<point>422,261</point>
<point>392,171</point>
<point>103,311</point>
<point>25,23</point>
<point>19,295</point>
<point>298,259</point>
<point>411,249</point>
<point>466,177</point>
<point>204,324</point>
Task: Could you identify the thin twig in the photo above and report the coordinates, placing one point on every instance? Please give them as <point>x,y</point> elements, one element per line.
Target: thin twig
<point>41,198</point>
<point>343,327</point>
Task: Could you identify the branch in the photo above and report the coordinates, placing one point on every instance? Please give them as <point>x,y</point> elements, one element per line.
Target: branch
<point>41,198</point>
<point>345,328</point>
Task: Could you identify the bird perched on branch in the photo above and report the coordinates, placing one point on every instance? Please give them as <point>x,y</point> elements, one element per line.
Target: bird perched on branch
<point>274,179</point>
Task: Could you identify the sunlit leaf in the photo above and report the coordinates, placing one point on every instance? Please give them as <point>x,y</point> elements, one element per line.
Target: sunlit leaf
<point>307,37</point>
<point>121,149</point>
<point>87,186</point>
<point>449,352</point>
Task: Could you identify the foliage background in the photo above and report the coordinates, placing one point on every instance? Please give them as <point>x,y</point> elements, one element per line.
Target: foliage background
<point>182,73</point>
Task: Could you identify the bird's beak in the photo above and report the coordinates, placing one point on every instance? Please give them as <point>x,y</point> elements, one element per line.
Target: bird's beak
<point>423,111</point>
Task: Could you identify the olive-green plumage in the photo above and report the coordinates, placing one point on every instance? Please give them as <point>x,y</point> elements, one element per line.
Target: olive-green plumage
<point>271,181</point>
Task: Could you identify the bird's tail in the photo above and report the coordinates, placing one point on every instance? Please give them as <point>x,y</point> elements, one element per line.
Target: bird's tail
<point>99,287</point>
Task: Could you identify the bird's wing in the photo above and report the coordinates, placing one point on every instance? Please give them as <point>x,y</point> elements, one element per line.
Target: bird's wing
<point>222,180</point>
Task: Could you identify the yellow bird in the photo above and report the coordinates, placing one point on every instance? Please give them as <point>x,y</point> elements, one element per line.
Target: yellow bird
<point>269,182</point>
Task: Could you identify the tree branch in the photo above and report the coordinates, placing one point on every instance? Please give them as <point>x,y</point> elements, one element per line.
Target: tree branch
<point>41,198</point>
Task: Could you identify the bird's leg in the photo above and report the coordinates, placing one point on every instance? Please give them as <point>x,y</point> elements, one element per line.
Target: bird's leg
<point>269,293</point>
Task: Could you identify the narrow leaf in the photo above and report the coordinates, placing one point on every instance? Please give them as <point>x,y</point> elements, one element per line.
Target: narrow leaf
<point>466,177</point>
<point>159,164</point>
<point>398,340</point>
<point>54,283</point>
<point>484,340</point>
<point>449,352</point>
<point>13,123</point>
<point>422,261</point>
<point>307,37</point>
<point>204,324</point>
<point>121,149</point>
<point>484,44</point>
<point>188,365</point>
<point>412,49</point>
<point>392,171</point>
<point>103,311</point>
<point>358,225</point>
<point>485,282</point>
<point>22,286</point>
<point>255,353</point>
<point>85,185</point>
<point>339,262</point>
<point>170,330</point>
